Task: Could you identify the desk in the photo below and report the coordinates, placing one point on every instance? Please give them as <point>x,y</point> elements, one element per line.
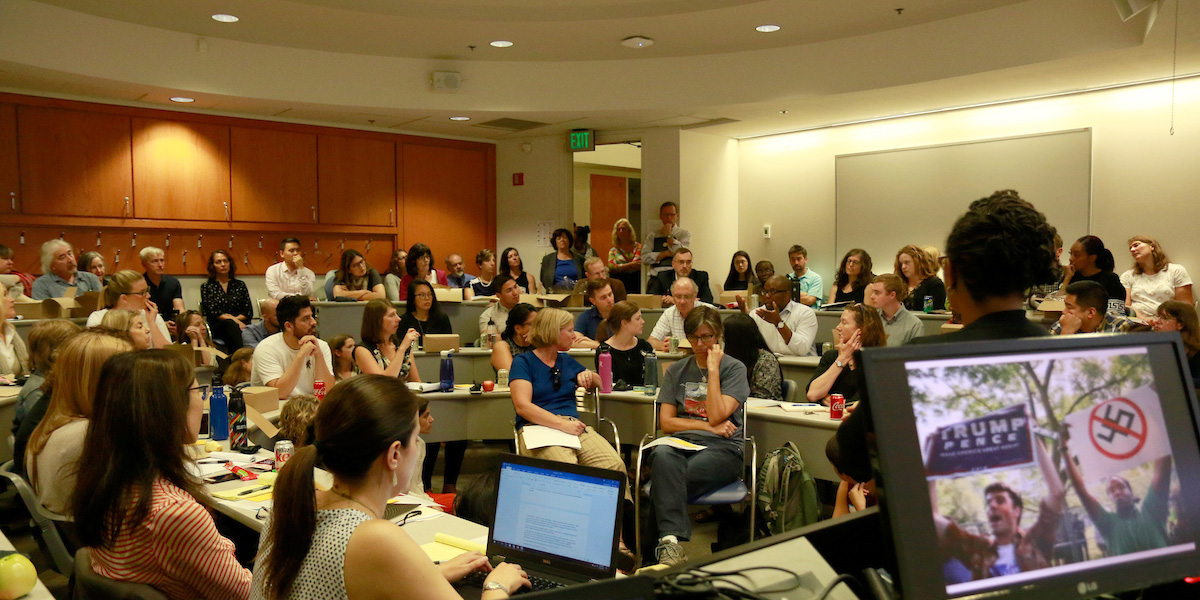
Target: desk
<point>39,591</point>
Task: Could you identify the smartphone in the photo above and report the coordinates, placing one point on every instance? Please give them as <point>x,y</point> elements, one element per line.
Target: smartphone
<point>205,429</point>
<point>219,477</point>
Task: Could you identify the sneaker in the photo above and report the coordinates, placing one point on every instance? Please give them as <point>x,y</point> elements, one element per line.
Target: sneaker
<point>670,554</point>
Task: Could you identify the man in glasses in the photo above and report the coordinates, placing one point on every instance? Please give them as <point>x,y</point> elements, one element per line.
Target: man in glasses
<point>670,325</point>
<point>681,266</point>
<point>789,327</point>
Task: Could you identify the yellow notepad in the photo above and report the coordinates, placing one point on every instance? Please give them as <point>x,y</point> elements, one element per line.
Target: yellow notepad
<point>445,547</point>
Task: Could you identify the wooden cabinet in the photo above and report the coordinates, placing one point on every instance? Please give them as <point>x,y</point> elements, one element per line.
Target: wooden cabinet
<point>74,163</point>
<point>273,175</point>
<point>180,170</point>
<point>446,200</point>
<point>356,180</point>
<point>10,191</point>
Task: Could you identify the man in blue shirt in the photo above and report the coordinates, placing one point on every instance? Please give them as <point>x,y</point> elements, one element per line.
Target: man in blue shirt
<point>61,272</point>
<point>269,325</point>
<point>807,286</point>
<point>456,277</point>
<point>600,293</point>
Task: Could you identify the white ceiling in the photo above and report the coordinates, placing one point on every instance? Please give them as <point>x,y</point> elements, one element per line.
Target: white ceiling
<point>366,63</point>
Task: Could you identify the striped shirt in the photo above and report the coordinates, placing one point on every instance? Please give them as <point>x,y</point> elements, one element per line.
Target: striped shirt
<point>176,549</point>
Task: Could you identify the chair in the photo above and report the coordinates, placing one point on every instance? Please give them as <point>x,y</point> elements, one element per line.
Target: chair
<point>90,585</point>
<point>790,388</point>
<point>731,493</point>
<point>44,519</point>
<point>588,403</point>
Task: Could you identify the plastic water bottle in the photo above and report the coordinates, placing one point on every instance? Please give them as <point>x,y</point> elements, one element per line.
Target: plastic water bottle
<point>651,375</point>
<point>218,412</point>
<point>605,366</point>
<point>447,372</point>
<point>239,439</point>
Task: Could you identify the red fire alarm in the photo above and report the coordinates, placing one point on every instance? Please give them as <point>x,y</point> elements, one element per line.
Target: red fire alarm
<point>518,179</point>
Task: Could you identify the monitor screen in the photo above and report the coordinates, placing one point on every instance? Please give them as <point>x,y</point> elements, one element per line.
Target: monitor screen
<point>1057,468</point>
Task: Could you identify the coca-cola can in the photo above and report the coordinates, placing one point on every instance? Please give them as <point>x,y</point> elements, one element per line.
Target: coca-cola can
<point>283,453</point>
<point>837,404</point>
<point>319,389</point>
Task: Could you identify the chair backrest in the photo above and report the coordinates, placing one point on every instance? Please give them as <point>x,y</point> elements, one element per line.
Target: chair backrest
<point>90,585</point>
<point>789,390</point>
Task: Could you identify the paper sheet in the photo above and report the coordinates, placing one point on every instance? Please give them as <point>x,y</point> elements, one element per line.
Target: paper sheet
<point>809,408</point>
<point>445,547</point>
<point>675,442</point>
<point>761,403</point>
<point>540,436</point>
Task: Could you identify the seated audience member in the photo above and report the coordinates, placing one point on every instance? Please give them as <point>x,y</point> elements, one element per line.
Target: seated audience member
<point>1084,312</point>
<point>289,276</point>
<point>294,359</point>
<point>46,337</point>
<point>700,400</point>
<point>419,265</point>
<point>342,345</point>
<point>850,493</point>
<point>853,275</point>
<point>296,420</point>
<point>225,300</point>
<point>763,270</point>
<point>356,280</point>
<point>1154,279</point>
<point>146,521</point>
<point>807,286</point>
<point>241,363</point>
<point>397,269</point>
<point>93,262</point>
<point>561,268</point>
<point>482,285</point>
<point>383,349</point>
<point>336,544</point>
<point>919,272</point>
<point>580,247</point>
<point>515,339</point>
<point>1089,260</point>
<point>512,265</point>
<point>61,272</point>
<point>744,342</point>
<point>740,277</point>
<point>1001,247</point>
<point>14,355</point>
<point>165,290</point>
<point>625,256</point>
<point>887,293</point>
<point>662,243</point>
<point>593,268</point>
<point>52,435</point>
<point>456,276</point>
<point>421,311</point>
<point>193,332</point>
<point>787,326</point>
<point>670,324</point>
<point>1131,526</point>
<point>859,327</point>
<point>24,284</point>
<point>1041,291</point>
<point>129,290</point>
<point>267,326</point>
<point>681,266</point>
<point>625,346</point>
<point>132,323</point>
<point>508,294</point>
<point>1174,315</point>
<point>477,502</point>
<point>599,291</point>
<point>417,486</point>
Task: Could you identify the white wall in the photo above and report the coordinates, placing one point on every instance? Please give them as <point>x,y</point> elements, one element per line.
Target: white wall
<point>546,195</point>
<point>708,191</point>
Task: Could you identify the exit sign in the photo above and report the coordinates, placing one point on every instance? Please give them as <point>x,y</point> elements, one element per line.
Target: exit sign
<point>582,140</point>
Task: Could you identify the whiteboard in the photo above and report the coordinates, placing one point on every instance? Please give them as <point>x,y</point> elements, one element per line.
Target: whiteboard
<point>887,200</point>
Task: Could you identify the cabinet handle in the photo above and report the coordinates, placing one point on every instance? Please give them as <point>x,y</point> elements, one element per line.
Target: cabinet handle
<point>226,210</point>
<point>314,210</point>
<point>13,196</point>
<point>127,206</point>
<point>391,216</point>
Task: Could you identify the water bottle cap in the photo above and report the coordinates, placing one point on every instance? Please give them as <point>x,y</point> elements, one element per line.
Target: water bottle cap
<point>445,354</point>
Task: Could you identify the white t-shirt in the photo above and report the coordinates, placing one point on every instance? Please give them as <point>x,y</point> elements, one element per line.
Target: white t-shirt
<point>1147,291</point>
<point>98,315</point>
<point>272,357</point>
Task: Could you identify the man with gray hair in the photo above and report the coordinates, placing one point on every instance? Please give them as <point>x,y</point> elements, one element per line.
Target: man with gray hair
<point>61,272</point>
<point>165,290</point>
<point>670,325</point>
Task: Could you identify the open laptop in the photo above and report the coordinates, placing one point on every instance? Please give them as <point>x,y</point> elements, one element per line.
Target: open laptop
<point>558,521</point>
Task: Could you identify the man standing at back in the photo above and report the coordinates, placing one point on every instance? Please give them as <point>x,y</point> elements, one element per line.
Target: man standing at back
<point>787,326</point>
<point>60,271</point>
<point>294,359</point>
<point>165,290</point>
<point>661,244</point>
<point>289,276</point>
<point>887,293</point>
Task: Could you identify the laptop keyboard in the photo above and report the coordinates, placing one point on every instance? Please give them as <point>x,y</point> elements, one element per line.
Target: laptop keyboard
<point>476,578</point>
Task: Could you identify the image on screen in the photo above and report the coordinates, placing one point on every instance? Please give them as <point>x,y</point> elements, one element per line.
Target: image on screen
<point>1044,464</point>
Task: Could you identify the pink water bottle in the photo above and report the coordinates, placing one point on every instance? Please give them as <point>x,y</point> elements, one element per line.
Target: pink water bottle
<point>605,363</point>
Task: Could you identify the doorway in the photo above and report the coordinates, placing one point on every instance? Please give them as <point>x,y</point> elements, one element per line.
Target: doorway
<point>608,187</point>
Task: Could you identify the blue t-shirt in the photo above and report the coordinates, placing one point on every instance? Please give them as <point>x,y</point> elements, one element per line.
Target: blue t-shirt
<point>588,322</point>
<point>565,273</point>
<point>561,402</point>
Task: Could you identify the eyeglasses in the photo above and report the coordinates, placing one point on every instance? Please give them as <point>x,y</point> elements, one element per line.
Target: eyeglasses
<point>556,378</point>
<point>704,339</point>
<point>423,295</point>
<point>771,291</point>
<point>203,389</point>
<point>144,293</point>
<point>262,513</point>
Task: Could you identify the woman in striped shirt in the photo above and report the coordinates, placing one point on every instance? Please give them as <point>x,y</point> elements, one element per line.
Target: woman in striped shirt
<point>136,504</point>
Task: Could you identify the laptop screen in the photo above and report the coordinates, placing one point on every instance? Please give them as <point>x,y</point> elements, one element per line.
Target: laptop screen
<point>553,510</point>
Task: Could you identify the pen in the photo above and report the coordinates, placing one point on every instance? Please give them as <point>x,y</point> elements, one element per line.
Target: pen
<point>211,461</point>
<point>252,490</point>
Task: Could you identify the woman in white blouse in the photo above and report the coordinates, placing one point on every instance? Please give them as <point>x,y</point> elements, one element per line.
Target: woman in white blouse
<point>1154,279</point>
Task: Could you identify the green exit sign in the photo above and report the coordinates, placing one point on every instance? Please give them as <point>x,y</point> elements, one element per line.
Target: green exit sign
<point>582,140</point>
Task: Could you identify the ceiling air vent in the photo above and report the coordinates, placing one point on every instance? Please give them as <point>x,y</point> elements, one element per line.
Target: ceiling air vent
<point>510,124</point>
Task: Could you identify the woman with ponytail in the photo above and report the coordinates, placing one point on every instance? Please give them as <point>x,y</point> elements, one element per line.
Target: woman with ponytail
<point>1091,261</point>
<point>335,544</point>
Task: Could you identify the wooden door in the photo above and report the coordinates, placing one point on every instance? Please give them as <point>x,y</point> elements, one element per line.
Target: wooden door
<point>274,175</point>
<point>10,192</point>
<point>445,201</point>
<point>608,193</point>
<point>180,170</point>
<point>74,163</point>
<point>356,180</point>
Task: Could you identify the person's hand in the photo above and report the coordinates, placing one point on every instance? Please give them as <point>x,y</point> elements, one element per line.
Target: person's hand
<point>850,406</point>
<point>152,311</point>
<point>741,304</point>
<point>715,354</point>
<point>410,336</point>
<point>193,332</point>
<point>1068,273</point>
<point>571,426</point>
<point>769,314</point>
<point>1070,323</point>
<point>857,497</point>
<point>510,576</point>
<point>309,346</point>
<point>846,350</point>
<point>588,380</point>
<point>458,567</point>
<point>298,261</point>
<point>668,301</point>
<point>241,325</point>
<point>725,428</point>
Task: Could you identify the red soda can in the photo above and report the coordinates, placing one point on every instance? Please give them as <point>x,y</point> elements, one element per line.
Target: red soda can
<point>319,390</point>
<point>283,453</point>
<point>837,404</point>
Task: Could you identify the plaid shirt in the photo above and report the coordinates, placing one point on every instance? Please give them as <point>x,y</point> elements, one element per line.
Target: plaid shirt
<point>1033,547</point>
<point>1110,324</point>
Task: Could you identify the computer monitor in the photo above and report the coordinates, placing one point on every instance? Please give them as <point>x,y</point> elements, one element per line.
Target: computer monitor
<point>978,498</point>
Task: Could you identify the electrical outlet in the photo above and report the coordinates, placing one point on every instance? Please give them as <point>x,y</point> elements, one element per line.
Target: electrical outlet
<point>766,232</point>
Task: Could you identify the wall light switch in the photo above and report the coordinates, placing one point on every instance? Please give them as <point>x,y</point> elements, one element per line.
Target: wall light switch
<point>766,232</point>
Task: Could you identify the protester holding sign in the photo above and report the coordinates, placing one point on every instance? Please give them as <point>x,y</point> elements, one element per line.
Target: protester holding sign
<point>1129,528</point>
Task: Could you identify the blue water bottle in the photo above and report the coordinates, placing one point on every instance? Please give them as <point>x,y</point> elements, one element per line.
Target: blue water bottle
<point>447,373</point>
<point>651,373</point>
<point>218,411</point>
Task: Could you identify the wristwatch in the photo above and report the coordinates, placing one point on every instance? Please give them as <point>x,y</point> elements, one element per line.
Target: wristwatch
<point>780,325</point>
<point>495,585</point>
<point>840,364</point>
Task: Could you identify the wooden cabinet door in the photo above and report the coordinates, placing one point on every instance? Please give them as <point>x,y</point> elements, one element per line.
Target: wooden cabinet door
<point>445,200</point>
<point>180,170</point>
<point>274,175</point>
<point>10,192</point>
<point>357,180</point>
<point>74,163</point>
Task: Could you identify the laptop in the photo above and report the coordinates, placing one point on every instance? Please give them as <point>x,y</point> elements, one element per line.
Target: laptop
<point>558,521</point>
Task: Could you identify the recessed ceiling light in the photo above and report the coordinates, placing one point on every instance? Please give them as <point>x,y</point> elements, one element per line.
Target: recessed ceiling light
<point>502,43</point>
<point>183,99</point>
<point>637,41</point>
<point>224,18</point>
<point>767,28</point>
<point>460,118</point>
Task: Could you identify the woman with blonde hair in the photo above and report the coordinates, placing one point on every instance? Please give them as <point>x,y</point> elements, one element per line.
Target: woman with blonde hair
<point>919,272</point>
<point>1154,279</point>
<point>14,355</point>
<point>131,322</point>
<point>625,256</point>
<point>54,447</point>
<point>128,289</point>
<point>859,327</point>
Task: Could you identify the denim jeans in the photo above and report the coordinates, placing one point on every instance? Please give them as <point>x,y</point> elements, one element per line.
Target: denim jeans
<point>678,475</point>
